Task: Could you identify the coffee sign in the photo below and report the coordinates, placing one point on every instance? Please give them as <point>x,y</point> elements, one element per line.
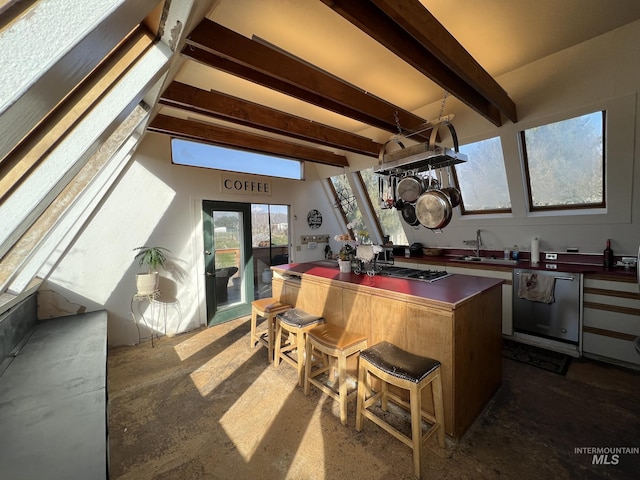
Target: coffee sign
<point>245,185</point>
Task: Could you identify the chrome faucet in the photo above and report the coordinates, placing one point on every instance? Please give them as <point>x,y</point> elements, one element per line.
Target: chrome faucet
<point>478,243</point>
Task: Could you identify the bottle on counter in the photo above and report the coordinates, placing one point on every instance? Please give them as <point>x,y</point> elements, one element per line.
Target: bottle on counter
<point>515,254</point>
<point>507,254</point>
<point>607,256</point>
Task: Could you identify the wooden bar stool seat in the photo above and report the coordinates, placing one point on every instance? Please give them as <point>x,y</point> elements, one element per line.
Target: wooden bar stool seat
<point>266,308</point>
<point>394,366</point>
<point>336,343</point>
<point>293,324</point>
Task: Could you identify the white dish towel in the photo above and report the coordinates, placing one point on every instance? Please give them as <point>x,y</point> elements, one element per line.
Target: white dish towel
<point>537,288</point>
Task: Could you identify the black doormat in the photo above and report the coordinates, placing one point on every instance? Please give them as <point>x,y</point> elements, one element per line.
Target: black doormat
<point>538,357</point>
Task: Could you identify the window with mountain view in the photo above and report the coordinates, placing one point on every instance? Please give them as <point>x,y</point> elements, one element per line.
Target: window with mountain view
<point>564,163</point>
<point>482,179</point>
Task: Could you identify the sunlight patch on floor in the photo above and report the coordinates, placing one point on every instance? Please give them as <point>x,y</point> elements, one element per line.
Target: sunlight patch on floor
<point>191,345</point>
<point>251,418</point>
<point>211,375</point>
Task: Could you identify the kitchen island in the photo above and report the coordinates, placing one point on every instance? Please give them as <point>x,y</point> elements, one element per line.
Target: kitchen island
<point>456,320</point>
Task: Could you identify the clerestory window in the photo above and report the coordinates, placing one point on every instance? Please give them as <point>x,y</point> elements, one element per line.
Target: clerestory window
<point>195,154</point>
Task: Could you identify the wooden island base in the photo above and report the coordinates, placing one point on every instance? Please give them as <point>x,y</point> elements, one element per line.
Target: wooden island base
<point>456,320</point>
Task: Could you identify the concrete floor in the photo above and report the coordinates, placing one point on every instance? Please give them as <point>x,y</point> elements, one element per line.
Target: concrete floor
<point>203,405</point>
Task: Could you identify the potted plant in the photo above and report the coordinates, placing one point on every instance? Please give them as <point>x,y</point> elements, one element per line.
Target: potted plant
<point>346,253</point>
<point>152,257</point>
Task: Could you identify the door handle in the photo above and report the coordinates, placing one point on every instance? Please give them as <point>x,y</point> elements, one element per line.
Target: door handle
<point>207,252</point>
<point>209,274</point>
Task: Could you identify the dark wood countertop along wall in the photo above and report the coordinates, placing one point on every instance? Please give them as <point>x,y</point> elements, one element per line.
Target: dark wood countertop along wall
<point>564,264</point>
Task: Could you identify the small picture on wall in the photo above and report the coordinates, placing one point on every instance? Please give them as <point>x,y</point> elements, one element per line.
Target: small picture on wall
<point>314,219</point>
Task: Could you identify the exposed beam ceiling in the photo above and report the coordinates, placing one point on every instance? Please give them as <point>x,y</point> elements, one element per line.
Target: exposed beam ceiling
<point>231,138</point>
<point>408,32</point>
<point>250,114</point>
<point>224,49</point>
<point>413,34</point>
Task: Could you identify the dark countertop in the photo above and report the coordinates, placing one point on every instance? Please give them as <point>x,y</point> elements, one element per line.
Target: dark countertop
<point>449,291</point>
<point>619,274</point>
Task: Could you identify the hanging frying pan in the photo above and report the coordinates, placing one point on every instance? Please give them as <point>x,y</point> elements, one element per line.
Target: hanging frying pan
<point>433,209</point>
<point>452,192</point>
<point>410,188</point>
<point>409,214</point>
<point>454,195</point>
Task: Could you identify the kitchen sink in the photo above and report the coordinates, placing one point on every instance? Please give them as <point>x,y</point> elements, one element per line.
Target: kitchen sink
<point>489,260</point>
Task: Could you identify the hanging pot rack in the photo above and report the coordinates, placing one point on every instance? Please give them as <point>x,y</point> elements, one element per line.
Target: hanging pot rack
<point>421,157</point>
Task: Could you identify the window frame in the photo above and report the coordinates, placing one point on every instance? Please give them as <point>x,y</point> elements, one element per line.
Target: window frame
<point>527,176</point>
<point>489,211</point>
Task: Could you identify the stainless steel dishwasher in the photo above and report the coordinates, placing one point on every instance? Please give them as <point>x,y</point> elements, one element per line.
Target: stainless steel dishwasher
<point>559,320</point>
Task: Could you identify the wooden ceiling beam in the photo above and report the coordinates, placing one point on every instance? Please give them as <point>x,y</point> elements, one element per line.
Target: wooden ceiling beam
<point>227,137</point>
<point>410,31</point>
<point>226,107</point>
<point>222,48</point>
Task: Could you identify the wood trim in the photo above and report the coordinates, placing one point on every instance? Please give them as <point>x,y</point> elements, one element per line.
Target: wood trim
<point>53,128</point>
<point>612,308</point>
<point>611,293</point>
<point>608,333</point>
<point>413,34</point>
<point>609,278</point>
<point>233,109</point>
<point>228,137</point>
<point>219,47</point>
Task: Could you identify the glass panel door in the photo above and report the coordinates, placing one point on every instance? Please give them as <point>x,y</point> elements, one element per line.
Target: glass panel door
<point>228,260</point>
<point>270,233</point>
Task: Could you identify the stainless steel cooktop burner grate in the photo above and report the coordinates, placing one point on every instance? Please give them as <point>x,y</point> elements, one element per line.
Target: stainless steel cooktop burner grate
<point>414,273</point>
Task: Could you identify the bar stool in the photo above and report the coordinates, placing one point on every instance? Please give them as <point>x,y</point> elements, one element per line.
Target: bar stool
<point>334,343</point>
<point>295,322</point>
<point>394,366</point>
<point>266,308</point>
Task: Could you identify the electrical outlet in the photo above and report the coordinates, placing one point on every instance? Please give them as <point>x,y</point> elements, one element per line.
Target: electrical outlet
<point>550,256</point>
<point>551,266</point>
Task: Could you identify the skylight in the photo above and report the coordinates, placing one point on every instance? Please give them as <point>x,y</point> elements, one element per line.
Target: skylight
<point>194,154</point>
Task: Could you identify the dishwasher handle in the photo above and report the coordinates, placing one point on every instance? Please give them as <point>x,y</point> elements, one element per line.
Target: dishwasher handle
<point>571,279</point>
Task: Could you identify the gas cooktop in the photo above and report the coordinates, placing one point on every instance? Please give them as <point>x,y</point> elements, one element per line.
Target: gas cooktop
<point>414,273</point>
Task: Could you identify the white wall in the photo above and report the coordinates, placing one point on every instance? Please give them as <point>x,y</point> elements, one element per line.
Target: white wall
<point>602,73</point>
<point>159,203</point>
